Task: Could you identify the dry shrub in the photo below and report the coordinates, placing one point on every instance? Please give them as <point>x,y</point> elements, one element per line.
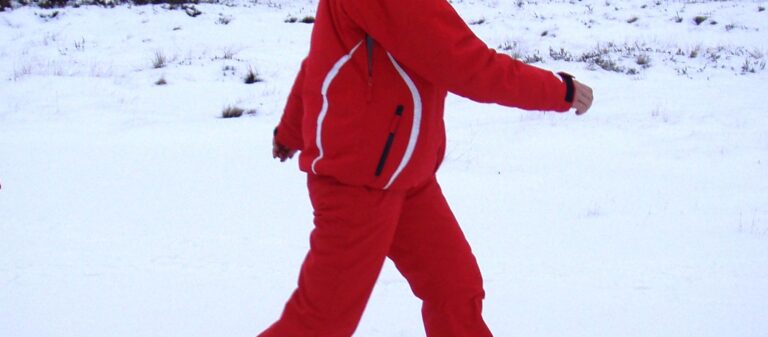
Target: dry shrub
<point>232,112</point>
<point>159,60</point>
<point>252,77</point>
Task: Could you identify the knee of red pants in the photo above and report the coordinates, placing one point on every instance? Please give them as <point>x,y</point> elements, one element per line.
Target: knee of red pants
<point>440,284</point>
<point>453,308</point>
<point>458,317</point>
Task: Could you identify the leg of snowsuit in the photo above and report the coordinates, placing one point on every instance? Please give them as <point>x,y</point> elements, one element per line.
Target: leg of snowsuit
<point>354,227</point>
<point>431,251</point>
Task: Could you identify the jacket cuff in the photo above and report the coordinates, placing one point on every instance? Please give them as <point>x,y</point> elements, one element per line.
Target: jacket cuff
<point>570,89</point>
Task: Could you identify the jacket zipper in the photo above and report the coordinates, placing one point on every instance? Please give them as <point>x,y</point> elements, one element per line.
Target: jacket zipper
<point>393,126</point>
<point>369,48</point>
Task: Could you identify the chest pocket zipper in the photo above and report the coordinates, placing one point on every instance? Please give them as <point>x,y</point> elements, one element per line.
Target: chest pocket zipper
<point>393,126</point>
<point>369,48</point>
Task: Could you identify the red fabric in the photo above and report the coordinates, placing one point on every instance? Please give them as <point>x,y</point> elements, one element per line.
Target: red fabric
<point>356,228</point>
<point>290,124</point>
<point>436,50</point>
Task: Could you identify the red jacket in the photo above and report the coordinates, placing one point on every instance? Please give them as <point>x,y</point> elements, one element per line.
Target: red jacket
<point>369,112</point>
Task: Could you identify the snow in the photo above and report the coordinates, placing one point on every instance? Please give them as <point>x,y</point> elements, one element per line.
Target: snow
<point>132,209</point>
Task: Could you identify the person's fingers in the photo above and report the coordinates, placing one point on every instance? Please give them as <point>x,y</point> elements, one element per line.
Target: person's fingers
<point>282,153</point>
<point>583,99</point>
<point>581,109</point>
<point>584,104</point>
<point>584,93</point>
<point>583,87</point>
<point>581,106</point>
<point>277,152</point>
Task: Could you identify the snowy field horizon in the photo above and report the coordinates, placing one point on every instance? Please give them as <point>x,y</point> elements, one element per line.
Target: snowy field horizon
<point>130,207</point>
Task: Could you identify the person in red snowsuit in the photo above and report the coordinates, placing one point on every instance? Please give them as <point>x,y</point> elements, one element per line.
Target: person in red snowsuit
<point>366,112</point>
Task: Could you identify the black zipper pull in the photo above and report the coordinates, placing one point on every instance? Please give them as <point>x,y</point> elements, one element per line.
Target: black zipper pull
<point>369,48</point>
<point>393,126</point>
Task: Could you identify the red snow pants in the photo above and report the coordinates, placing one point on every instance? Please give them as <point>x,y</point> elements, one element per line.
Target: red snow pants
<point>356,228</point>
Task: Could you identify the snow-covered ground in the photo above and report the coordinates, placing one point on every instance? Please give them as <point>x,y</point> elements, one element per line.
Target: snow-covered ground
<point>132,209</point>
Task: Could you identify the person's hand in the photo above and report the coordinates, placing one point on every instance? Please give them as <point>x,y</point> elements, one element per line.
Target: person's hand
<point>582,98</point>
<point>280,151</point>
